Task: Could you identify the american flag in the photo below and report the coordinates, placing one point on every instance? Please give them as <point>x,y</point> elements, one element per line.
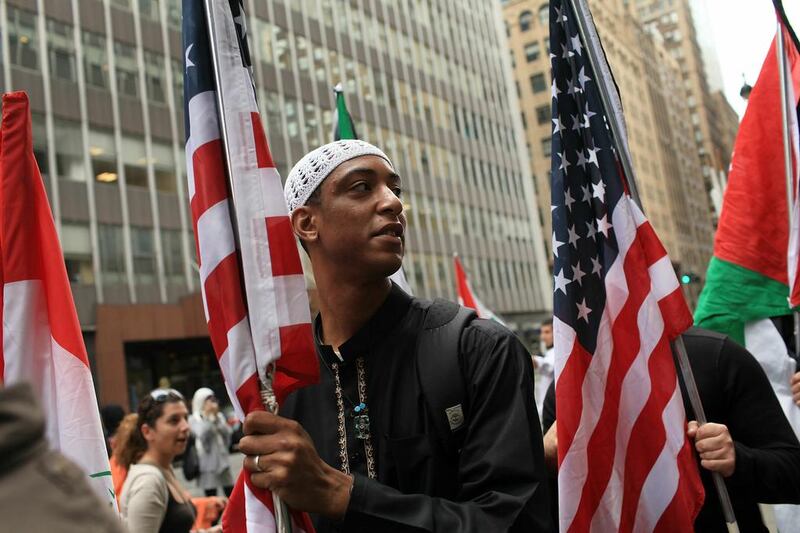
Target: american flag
<point>625,462</point>
<point>252,281</point>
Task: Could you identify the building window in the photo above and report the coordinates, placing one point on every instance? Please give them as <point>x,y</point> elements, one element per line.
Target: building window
<point>173,255</point>
<point>525,19</point>
<point>538,84</point>
<point>22,40</point>
<point>532,51</point>
<point>543,113</point>
<point>149,9</point>
<point>94,59</point>
<point>144,255</point>
<point>77,249</point>
<point>61,50</point>
<point>546,146</point>
<point>174,13</point>
<point>544,15</point>
<point>127,69</point>
<point>524,120</point>
<point>69,150</point>
<point>155,75</point>
<point>112,253</point>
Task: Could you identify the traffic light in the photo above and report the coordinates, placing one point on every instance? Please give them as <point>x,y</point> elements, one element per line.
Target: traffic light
<point>689,277</point>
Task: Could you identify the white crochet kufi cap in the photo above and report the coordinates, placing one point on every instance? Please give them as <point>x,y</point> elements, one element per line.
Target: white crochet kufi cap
<point>318,164</point>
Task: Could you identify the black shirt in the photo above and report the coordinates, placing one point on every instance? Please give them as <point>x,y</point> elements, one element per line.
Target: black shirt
<point>735,391</point>
<point>495,484</point>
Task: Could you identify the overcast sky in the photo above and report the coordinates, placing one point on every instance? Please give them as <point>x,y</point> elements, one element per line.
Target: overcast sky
<point>741,32</point>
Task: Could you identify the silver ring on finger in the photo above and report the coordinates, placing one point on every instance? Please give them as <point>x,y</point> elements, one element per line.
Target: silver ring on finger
<point>258,466</point>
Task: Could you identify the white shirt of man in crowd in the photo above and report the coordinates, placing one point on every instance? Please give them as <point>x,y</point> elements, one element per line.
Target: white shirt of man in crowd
<point>545,365</point>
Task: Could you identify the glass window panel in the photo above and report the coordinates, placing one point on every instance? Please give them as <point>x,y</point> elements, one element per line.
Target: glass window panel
<point>112,253</point>
<point>95,63</point>
<point>75,238</point>
<point>143,250</point>
<point>127,69</point>
<point>61,50</point>
<point>69,150</point>
<point>22,36</point>
<point>173,254</point>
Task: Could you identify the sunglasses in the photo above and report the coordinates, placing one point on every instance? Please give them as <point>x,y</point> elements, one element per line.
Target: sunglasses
<point>160,395</point>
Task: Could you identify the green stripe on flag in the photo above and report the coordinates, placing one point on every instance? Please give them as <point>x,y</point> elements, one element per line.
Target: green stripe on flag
<point>734,295</point>
<point>344,127</point>
<point>101,474</point>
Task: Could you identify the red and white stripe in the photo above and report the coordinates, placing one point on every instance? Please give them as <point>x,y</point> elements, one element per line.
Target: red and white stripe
<point>791,64</point>
<point>466,296</point>
<point>255,296</point>
<point>42,340</point>
<point>623,403</point>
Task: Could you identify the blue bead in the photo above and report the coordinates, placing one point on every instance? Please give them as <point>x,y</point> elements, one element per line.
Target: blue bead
<point>358,408</point>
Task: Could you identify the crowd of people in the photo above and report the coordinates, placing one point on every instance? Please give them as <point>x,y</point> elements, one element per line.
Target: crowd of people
<point>374,446</point>
<point>143,446</point>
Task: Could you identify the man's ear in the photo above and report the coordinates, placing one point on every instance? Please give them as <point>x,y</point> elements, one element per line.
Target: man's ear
<point>304,224</point>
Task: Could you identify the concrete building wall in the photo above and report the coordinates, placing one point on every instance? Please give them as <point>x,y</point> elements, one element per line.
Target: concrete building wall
<point>424,80</point>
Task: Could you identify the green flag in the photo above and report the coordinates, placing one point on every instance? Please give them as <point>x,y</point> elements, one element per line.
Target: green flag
<point>343,127</point>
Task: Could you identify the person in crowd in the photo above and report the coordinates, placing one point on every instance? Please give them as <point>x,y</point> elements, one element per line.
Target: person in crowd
<point>360,450</point>
<point>152,499</point>
<point>212,439</point>
<point>119,466</point>
<point>747,438</point>
<point>545,364</point>
<point>111,415</point>
<point>40,489</point>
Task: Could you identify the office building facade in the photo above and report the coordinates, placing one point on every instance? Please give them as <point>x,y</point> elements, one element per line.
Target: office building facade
<point>427,80</point>
<point>666,162</point>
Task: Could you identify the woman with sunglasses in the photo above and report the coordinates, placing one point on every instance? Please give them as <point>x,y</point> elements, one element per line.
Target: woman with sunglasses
<point>152,500</point>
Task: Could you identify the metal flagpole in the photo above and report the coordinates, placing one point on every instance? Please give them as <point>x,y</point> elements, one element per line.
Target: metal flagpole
<point>787,151</point>
<point>617,130</point>
<point>283,521</point>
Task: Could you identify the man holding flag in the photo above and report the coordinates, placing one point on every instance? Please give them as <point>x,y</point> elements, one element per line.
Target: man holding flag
<point>367,454</point>
<point>625,457</point>
<point>753,277</point>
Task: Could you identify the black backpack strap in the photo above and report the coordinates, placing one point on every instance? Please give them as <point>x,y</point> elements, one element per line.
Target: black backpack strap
<point>439,371</point>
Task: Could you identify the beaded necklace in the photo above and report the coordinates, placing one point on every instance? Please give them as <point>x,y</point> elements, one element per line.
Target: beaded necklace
<point>360,419</point>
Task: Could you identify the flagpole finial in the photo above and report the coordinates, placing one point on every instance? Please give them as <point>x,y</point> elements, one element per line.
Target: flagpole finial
<point>338,88</point>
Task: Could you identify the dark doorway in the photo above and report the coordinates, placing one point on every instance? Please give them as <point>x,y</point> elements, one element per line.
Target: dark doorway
<point>186,364</point>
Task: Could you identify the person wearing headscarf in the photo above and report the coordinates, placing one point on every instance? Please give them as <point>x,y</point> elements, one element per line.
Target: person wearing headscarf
<point>212,436</point>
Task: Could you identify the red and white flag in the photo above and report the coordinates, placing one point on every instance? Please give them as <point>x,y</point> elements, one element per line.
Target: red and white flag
<point>625,462</point>
<point>42,341</point>
<point>466,296</point>
<point>251,277</point>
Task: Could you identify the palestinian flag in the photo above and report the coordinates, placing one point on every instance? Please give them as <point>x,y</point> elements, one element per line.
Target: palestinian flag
<point>466,296</point>
<point>756,249</point>
<point>754,272</point>
<point>343,128</point>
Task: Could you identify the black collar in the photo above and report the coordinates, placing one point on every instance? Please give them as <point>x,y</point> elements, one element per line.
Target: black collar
<point>386,318</point>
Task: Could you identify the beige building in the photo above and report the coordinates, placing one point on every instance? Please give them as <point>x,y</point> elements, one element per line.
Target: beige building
<point>666,161</point>
<point>713,120</point>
